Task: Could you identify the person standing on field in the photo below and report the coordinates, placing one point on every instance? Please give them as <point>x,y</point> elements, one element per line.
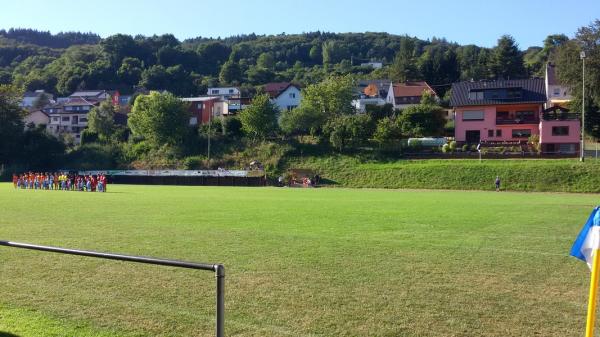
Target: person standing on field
<point>497,183</point>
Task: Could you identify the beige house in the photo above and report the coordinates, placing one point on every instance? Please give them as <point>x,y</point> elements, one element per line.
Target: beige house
<point>36,118</point>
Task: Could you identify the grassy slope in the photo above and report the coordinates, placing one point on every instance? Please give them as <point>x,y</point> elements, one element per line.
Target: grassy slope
<point>568,175</point>
<point>324,262</point>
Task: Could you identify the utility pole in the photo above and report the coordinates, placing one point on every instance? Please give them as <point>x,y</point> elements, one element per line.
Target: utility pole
<point>582,158</point>
<point>209,122</point>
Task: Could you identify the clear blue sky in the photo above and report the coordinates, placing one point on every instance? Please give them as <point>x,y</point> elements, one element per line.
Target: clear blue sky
<point>464,21</point>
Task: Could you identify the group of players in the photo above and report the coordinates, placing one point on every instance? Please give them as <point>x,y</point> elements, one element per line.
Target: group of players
<point>60,182</point>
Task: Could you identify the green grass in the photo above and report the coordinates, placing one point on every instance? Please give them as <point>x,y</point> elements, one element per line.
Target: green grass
<point>299,262</point>
<point>541,175</point>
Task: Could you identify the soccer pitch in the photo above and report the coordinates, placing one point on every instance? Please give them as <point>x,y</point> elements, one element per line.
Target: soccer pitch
<point>300,262</point>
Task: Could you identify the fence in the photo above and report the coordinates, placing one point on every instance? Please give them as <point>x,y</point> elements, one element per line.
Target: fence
<point>217,268</point>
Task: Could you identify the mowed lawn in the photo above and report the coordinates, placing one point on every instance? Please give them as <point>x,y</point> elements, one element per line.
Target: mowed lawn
<point>299,262</point>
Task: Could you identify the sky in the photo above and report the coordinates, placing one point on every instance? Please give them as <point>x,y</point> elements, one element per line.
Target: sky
<point>479,22</point>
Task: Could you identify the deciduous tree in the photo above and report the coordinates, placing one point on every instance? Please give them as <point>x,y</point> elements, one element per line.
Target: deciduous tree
<point>159,118</point>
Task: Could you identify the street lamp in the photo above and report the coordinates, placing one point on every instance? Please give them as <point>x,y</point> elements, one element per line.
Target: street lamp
<point>582,56</point>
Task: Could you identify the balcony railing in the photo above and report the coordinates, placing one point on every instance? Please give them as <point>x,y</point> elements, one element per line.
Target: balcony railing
<point>507,121</point>
<point>561,116</point>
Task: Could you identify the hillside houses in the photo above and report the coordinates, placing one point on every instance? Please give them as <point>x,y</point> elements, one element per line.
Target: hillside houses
<point>487,112</point>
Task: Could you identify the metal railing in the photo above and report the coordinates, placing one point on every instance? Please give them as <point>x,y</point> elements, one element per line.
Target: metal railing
<point>219,270</point>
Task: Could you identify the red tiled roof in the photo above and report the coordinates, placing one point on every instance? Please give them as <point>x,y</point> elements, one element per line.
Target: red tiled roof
<point>411,89</point>
<point>276,88</point>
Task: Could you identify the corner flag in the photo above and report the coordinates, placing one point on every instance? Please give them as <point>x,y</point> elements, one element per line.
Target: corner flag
<point>588,240</point>
<point>587,248</point>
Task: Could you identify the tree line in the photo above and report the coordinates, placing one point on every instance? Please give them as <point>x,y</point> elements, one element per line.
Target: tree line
<point>66,62</point>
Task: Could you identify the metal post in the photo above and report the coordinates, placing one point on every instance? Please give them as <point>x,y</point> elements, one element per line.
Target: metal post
<point>582,55</point>
<point>219,269</point>
<point>220,275</point>
<point>209,122</point>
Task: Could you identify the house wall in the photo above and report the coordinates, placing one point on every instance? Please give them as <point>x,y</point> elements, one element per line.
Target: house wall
<point>224,91</point>
<point>361,104</point>
<point>220,108</point>
<point>546,136</point>
<point>57,125</point>
<point>290,97</point>
<point>489,122</point>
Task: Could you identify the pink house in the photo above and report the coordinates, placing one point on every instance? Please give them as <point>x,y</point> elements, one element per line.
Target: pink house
<point>509,112</point>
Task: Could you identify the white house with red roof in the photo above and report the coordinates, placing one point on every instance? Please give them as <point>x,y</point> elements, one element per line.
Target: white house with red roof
<point>284,95</point>
<point>405,94</point>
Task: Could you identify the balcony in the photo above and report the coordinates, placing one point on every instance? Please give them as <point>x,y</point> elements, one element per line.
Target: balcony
<point>560,116</point>
<point>512,121</point>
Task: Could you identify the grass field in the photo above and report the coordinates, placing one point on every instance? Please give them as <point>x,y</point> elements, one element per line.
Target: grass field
<point>300,262</point>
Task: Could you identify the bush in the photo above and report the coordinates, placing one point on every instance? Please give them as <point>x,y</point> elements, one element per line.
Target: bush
<point>88,136</point>
<point>446,148</point>
<point>465,148</point>
<point>452,146</point>
<point>194,163</point>
<point>232,127</point>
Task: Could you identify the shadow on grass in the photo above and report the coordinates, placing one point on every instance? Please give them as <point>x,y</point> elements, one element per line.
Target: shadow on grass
<point>323,182</point>
<point>7,334</point>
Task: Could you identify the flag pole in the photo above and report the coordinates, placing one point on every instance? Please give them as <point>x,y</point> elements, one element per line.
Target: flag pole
<point>591,314</point>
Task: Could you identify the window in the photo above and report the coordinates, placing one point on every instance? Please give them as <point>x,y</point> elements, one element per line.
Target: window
<point>556,92</point>
<point>502,115</point>
<point>68,108</point>
<point>473,115</point>
<point>521,133</point>
<point>83,120</point>
<point>199,106</point>
<point>55,119</point>
<point>560,130</point>
<point>475,95</point>
<point>566,148</point>
<point>514,93</point>
<point>215,91</point>
<point>490,133</point>
<point>66,119</point>
<point>290,107</point>
<point>498,133</point>
<point>292,95</point>
<point>231,91</point>
<point>526,115</point>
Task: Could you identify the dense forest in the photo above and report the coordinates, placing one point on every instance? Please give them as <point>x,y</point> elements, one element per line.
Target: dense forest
<point>65,62</point>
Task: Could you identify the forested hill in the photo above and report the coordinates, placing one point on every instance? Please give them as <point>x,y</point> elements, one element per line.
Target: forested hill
<point>66,62</point>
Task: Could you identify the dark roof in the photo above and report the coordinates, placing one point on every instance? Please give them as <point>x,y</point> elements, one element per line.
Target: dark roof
<point>80,101</point>
<point>532,91</point>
